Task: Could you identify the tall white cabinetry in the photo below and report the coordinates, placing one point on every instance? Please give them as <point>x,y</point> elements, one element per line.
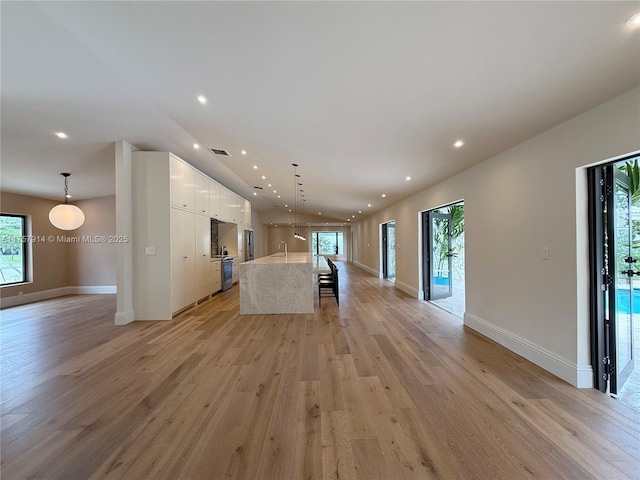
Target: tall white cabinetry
<point>245,212</point>
<point>202,194</point>
<point>215,194</point>
<point>228,205</point>
<point>203,258</point>
<point>182,184</point>
<point>173,204</point>
<point>183,258</point>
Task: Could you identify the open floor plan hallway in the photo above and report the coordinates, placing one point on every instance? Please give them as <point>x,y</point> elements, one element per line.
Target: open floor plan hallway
<point>384,386</point>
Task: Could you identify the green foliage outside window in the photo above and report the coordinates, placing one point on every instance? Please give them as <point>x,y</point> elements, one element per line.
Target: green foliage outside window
<point>327,243</point>
<point>12,249</point>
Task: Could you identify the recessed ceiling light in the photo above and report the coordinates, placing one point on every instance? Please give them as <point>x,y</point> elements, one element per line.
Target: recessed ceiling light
<point>353,216</point>
<point>408,178</point>
<point>286,206</point>
<point>268,185</point>
<point>359,211</point>
<point>458,143</point>
<point>202,99</point>
<point>348,219</point>
<point>634,20</point>
<point>319,213</point>
<point>368,205</point>
<point>196,146</point>
<point>278,196</point>
<point>255,193</point>
<point>264,178</point>
<point>384,195</point>
<point>255,167</point>
<point>275,191</point>
<point>243,152</point>
<point>61,135</point>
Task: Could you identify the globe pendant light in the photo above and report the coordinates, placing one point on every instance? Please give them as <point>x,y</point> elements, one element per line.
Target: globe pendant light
<point>66,216</point>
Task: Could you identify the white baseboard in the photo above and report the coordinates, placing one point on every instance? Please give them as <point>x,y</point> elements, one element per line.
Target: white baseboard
<point>33,297</point>
<point>15,300</point>
<point>580,376</point>
<point>95,290</point>
<point>365,267</point>
<point>585,376</point>
<point>124,318</point>
<point>408,289</point>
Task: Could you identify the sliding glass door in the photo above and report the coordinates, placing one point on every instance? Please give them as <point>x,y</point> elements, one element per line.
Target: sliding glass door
<point>443,262</point>
<point>389,250</point>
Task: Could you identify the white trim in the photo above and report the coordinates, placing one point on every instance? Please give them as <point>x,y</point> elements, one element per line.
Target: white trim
<point>33,297</point>
<point>368,269</point>
<point>580,376</point>
<point>123,318</point>
<point>406,288</point>
<point>15,300</point>
<point>93,290</point>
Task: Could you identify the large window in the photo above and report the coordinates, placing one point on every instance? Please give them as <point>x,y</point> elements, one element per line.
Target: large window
<point>13,251</point>
<point>327,243</point>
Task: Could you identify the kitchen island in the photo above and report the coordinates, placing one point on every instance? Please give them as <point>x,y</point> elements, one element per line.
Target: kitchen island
<point>279,283</point>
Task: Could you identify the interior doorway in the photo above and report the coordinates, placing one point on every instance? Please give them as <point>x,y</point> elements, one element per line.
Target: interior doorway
<point>443,257</point>
<point>389,251</point>
<point>614,214</point>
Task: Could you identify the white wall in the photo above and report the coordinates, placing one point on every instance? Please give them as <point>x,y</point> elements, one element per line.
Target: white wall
<point>516,203</point>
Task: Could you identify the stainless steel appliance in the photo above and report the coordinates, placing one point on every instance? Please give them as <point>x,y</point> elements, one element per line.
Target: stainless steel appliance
<point>248,245</point>
<point>227,273</point>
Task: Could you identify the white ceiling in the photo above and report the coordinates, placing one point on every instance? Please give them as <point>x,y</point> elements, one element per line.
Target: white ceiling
<point>359,94</point>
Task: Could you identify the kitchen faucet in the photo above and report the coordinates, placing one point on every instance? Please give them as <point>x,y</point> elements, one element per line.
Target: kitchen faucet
<point>285,248</point>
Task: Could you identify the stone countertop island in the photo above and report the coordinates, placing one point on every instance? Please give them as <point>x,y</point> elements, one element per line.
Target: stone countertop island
<point>279,283</point>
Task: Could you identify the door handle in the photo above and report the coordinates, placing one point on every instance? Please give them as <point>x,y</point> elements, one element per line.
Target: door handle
<point>629,273</point>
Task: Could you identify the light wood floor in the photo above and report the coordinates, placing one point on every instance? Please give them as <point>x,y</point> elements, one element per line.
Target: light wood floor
<point>384,387</point>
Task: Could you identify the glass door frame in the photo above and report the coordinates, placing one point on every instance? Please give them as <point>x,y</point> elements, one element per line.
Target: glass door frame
<point>602,182</point>
<point>385,248</point>
<point>432,216</point>
<point>426,247</point>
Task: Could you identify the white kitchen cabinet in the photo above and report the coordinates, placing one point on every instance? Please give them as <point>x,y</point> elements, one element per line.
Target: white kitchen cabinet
<point>215,193</point>
<point>183,259</point>
<point>229,205</point>
<point>172,266</point>
<point>182,183</point>
<point>215,275</point>
<point>245,212</point>
<point>202,193</point>
<point>203,256</point>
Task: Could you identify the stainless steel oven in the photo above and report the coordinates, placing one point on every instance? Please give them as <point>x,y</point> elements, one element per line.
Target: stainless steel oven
<point>227,273</point>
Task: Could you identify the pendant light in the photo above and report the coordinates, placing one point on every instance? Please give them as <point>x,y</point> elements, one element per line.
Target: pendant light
<point>66,216</point>
<point>296,212</point>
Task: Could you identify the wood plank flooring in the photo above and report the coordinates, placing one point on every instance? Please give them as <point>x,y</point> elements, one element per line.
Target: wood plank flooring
<point>384,387</point>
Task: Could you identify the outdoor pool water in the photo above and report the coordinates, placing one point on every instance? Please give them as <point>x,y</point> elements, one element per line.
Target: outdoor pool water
<point>623,301</point>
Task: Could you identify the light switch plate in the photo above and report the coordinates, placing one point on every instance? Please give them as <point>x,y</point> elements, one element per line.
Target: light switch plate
<point>545,253</point>
<point>149,250</point>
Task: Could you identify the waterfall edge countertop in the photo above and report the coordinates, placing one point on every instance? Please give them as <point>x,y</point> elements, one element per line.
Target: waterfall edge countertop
<point>318,263</point>
<point>279,283</point>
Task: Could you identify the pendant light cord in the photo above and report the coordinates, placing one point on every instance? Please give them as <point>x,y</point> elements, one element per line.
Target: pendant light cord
<point>66,190</point>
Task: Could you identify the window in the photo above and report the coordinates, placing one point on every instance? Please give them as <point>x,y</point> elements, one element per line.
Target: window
<point>13,251</point>
<point>327,243</point>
